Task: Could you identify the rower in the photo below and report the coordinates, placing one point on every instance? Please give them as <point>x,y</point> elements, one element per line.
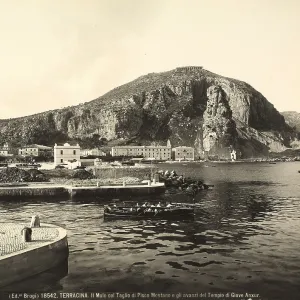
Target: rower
<point>158,205</point>
<point>144,205</point>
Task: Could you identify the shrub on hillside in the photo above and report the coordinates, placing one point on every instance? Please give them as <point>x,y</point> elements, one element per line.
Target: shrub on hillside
<point>83,174</point>
<point>20,175</point>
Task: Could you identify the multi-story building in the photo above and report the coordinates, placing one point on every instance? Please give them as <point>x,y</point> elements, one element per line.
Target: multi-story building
<point>92,152</point>
<point>150,152</point>
<point>183,153</point>
<point>66,153</point>
<point>35,150</point>
<point>5,150</point>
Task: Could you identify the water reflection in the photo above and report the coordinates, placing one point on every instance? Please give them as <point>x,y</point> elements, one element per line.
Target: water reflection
<point>228,247</point>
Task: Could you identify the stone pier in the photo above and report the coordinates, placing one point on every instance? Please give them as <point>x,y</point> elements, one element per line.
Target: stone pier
<point>20,259</point>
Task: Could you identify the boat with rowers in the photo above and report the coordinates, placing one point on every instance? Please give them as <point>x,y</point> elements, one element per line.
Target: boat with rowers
<point>149,211</point>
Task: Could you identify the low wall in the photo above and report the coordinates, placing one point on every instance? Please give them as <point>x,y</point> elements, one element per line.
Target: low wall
<point>87,162</point>
<point>28,262</point>
<point>142,173</point>
<point>117,191</point>
<point>33,192</point>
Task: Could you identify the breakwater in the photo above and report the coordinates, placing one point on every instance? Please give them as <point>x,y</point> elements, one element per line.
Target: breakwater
<point>130,190</point>
<point>66,191</point>
<point>33,191</point>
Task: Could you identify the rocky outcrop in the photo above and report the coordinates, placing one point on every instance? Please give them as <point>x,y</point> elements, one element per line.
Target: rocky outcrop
<point>219,129</point>
<point>171,105</point>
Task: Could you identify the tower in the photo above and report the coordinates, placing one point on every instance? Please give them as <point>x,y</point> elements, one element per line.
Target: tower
<point>169,144</point>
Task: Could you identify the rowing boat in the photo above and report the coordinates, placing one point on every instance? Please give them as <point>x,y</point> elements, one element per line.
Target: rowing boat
<point>148,212</point>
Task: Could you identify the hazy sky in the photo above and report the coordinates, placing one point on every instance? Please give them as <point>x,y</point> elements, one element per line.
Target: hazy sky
<point>56,53</point>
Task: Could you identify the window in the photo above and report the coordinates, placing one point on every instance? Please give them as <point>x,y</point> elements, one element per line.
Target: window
<point>74,152</point>
<point>61,159</point>
<point>61,152</point>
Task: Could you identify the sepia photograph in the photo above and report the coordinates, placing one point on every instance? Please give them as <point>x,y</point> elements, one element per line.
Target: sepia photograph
<point>149,149</point>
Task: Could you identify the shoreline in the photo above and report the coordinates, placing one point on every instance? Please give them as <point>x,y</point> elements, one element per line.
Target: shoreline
<point>254,160</point>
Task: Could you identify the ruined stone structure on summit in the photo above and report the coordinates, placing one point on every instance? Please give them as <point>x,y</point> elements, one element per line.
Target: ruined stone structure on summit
<point>191,68</point>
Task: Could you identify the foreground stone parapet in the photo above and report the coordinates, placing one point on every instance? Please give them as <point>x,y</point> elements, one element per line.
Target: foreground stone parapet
<point>19,260</point>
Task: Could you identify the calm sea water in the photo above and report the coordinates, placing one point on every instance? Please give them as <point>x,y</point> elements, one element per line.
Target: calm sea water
<point>245,238</point>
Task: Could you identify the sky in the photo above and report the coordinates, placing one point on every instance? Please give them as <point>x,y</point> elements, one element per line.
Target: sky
<point>58,53</point>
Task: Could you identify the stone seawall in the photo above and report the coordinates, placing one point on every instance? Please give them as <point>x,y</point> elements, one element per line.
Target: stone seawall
<point>34,259</point>
<point>138,190</point>
<point>30,192</point>
<point>68,192</point>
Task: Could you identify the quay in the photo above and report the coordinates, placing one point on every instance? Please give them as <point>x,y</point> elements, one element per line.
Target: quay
<point>68,191</point>
<point>130,190</point>
<point>20,260</point>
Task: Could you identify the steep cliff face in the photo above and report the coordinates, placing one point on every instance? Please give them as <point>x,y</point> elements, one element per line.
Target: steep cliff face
<point>219,129</point>
<point>183,105</point>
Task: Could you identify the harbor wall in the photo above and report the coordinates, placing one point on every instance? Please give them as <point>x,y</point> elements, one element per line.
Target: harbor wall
<point>117,191</point>
<point>30,192</point>
<point>82,191</point>
<point>26,263</point>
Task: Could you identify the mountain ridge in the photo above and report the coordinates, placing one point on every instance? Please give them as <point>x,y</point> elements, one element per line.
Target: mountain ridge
<point>160,106</point>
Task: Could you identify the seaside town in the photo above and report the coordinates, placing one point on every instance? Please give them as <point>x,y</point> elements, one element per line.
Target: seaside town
<point>71,156</point>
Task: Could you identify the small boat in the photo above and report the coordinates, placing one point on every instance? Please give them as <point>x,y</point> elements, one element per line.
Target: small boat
<point>167,212</point>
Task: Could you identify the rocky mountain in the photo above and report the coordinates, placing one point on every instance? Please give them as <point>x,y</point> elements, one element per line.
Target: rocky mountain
<point>292,118</point>
<point>188,105</point>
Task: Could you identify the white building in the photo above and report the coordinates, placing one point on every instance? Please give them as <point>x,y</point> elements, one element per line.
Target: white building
<point>183,153</point>
<point>35,150</point>
<point>4,151</point>
<point>92,152</point>
<point>66,153</point>
<point>148,152</point>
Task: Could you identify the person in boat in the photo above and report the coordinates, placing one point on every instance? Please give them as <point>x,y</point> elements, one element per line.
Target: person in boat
<point>145,204</point>
<point>138,207</point>
<point>107,209</point>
